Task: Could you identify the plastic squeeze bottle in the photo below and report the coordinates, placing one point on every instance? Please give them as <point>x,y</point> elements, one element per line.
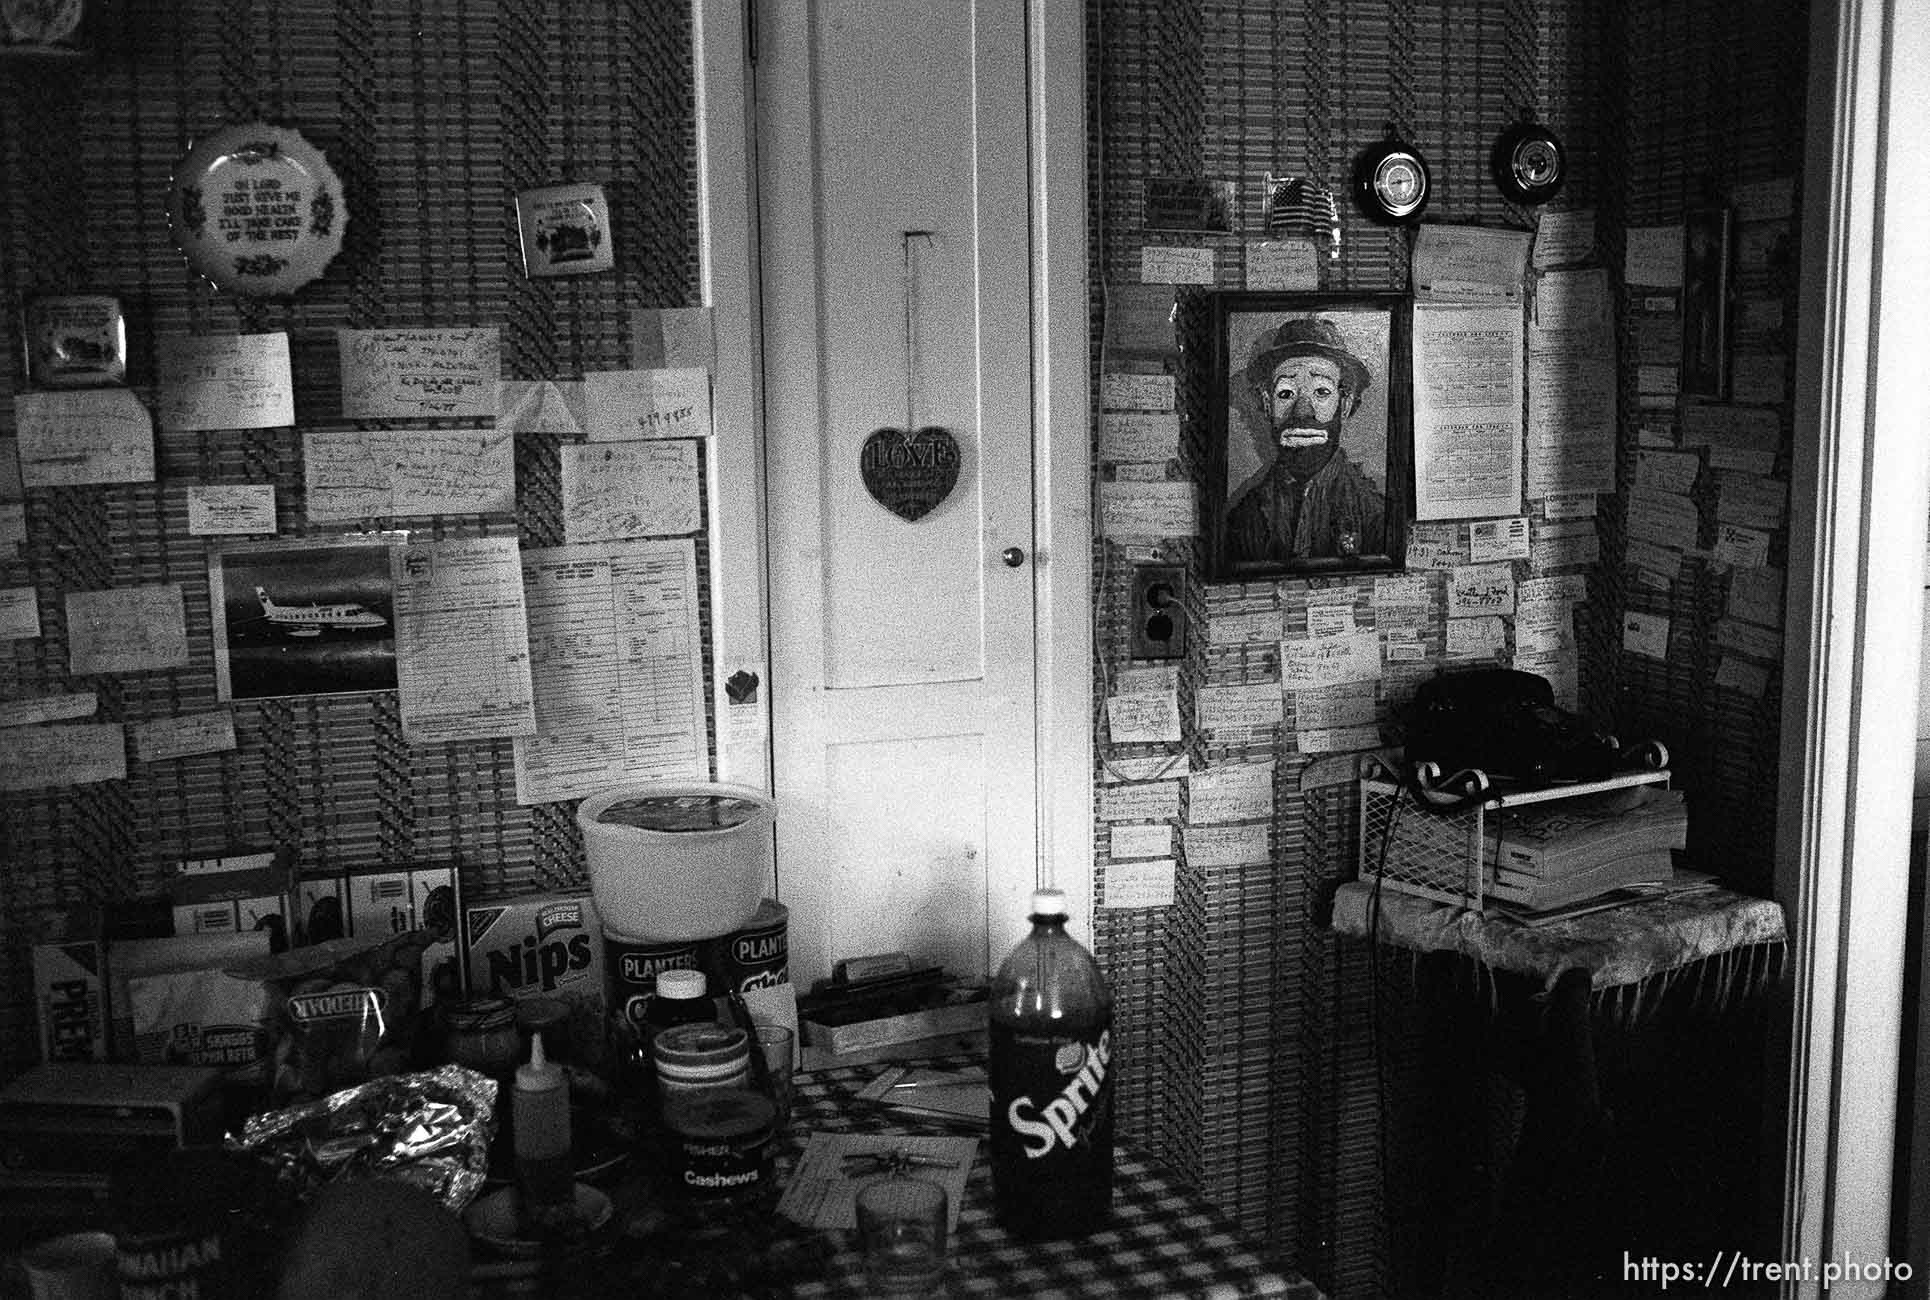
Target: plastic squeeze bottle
<point>541,1116</point>
<point>1051,1067</point>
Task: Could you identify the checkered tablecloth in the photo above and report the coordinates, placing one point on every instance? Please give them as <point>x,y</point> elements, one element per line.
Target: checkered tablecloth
<point>1163,1241</point>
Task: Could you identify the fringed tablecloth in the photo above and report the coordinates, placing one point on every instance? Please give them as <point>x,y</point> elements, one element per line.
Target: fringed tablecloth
<point>1630,952</point>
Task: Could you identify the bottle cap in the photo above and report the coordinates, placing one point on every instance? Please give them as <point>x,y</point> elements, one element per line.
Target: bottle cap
<point>681,983</point>
<point>1049,902</point>
<point>539,1075</point>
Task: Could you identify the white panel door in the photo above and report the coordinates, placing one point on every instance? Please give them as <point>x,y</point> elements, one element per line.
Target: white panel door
<point>892,177</point>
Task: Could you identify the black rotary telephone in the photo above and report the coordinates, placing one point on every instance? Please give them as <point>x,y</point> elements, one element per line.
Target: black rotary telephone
<point>1504,723</point>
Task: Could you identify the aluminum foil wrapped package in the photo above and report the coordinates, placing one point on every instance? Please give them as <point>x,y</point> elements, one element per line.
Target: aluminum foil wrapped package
<point>431,1129</point>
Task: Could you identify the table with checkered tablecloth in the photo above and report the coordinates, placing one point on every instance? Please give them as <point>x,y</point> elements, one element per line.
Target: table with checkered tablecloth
<point>1163,1240</point>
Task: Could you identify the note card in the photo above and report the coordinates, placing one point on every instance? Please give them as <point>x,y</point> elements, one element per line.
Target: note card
<point>67,753</point>
<point>100,435</point>
<point>625,405</point>
<point>19,614</point>
<point>225,381</point>
<point>614,490</point>
<point>1146,883</point>
<point>379,473</point>
<point>178,737</point>
<point>403,374</point>
<point>127,629</point>
<point>230,509</point>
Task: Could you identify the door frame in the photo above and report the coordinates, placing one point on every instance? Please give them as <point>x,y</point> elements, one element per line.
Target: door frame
<point>1856,572</point>
<point>723,38</point>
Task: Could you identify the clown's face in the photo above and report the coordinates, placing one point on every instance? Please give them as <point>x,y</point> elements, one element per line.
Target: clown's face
<point>1304,404</point>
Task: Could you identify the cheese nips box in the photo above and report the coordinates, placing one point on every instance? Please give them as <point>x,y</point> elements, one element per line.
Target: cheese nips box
<point>543,946</point>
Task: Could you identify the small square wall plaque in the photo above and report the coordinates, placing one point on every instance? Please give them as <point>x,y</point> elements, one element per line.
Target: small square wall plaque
<point>565,230</point>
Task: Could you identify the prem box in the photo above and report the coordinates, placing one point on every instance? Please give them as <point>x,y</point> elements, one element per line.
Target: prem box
<point>71,1117</point>
<point>70,995</point>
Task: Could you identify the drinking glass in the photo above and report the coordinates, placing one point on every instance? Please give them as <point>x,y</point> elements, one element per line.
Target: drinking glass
<point>902,1223</point>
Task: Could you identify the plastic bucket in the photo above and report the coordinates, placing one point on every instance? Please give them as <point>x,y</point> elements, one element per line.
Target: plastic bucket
<point>678,861</point>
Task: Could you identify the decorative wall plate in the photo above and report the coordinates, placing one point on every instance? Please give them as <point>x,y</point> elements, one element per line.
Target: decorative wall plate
<point>257,210</point>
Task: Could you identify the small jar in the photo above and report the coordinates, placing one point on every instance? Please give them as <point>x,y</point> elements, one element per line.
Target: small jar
<point>694,1061</point>
<point>481,1034</point>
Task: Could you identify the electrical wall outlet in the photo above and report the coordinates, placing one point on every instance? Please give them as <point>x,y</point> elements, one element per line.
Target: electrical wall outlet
<point>1159,611</point>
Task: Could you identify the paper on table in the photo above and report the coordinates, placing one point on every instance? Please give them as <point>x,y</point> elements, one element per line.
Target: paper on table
<point>626,405</point>
<point>1145,717</point>
<point>1167,264</point>
<point>823,1192</point>
<point>48,708</point>
<point>672,338</point>
<point>63,753</point>
<point>613,630</point>
<point>1329,661</point>
<point>19,613</point>
<point>98,435</point>
<point>1467,411</point>
<point>189,733</point>
<point>616,490</point>
<point>540,406</point>
<point>949,1094</point>
<point>230,509</point>
<point>1143,883</point>
<point>461,640</point>
<point>1481,264</point>
<point>1239,792</point>
<point>419,373</point>
<point>127,629</point>
<point>384,473</point>
<point>225,381</point>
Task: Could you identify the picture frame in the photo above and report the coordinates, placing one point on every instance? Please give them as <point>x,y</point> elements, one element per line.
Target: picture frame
<point>307,616</point>
<point>1705,303</point>
<point>1352,356</point>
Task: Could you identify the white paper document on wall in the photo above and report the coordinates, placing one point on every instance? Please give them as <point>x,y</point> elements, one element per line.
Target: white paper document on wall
<point>65,753</point>
<point>385,473</point>
<point>620,695</point>
<point>1467,411</point>
<point>417,374</point>
<point>614,490</point>
<point>1571,385</point>
<point>461,640</point>
<point>99,435</point>
<point>1483,264</point>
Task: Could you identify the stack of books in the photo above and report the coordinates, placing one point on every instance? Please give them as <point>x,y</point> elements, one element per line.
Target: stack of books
<point>1541,857</point>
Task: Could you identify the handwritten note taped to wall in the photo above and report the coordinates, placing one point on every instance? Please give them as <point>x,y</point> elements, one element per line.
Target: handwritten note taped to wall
<point>379,473</point>
<point>613,490</point>
<point>403,374</point>
<point>126,629</point>
<point>1329,661</point>
<point>66,753</point>
<point>625,405</point>
<point>225,381</point>
<point>91,436</point>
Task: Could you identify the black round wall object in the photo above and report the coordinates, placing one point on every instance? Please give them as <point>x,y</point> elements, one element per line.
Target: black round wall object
<point>1529,163</point>
<point>1391,181</point>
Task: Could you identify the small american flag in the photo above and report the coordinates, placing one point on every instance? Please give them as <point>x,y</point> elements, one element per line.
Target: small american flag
<point>1297,206</point>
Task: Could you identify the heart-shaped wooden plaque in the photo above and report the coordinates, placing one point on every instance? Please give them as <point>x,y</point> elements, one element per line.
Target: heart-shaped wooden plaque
<point>910,473</point>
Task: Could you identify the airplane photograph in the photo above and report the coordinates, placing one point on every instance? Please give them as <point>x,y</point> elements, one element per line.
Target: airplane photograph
<point>305,618</point>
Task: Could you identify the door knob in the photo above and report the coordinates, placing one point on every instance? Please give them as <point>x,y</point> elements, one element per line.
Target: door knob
<point>1013,557</point>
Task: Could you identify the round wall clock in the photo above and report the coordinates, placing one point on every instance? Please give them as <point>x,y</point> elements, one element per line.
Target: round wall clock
<point>1391,181</point>
<point>257,210</point>
<point>1529,163</point>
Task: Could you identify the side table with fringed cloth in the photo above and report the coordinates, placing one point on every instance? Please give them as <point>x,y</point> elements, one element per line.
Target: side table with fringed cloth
<point>1539,999</point>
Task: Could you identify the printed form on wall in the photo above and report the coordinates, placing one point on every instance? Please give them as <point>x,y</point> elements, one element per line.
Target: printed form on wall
<point>461,640</point>
<point>1571,385</point>
<point>614,636</point>
<point>1467,411</point>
